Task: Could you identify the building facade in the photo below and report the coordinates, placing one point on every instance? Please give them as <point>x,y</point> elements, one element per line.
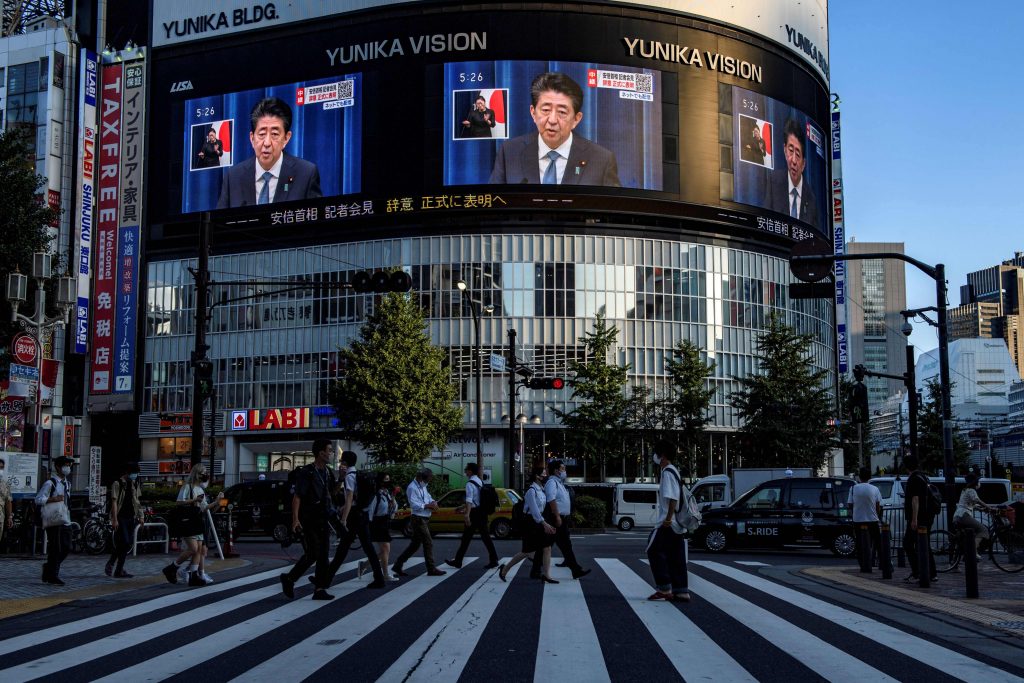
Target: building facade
<point>990,307</point>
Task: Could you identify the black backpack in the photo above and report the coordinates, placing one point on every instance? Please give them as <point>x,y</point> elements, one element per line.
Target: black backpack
<point>488,498</point>
<point>366,488</point>
<point>934,500</point>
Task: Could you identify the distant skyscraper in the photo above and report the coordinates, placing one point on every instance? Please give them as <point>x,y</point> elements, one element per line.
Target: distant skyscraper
<point>991,307</point>
<point>877,292</point>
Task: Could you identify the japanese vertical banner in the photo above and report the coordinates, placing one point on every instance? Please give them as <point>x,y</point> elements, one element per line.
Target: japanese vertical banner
<point>111,90</point>
<point>85,201</point>
<point>839,245</point>
<point>128,249</point>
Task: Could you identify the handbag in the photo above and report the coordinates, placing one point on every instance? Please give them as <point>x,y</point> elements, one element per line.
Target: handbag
<point>187,520</point>
<point>55,514</point>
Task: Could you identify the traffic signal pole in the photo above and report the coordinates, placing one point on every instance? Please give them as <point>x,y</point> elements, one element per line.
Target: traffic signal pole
<point>511,407</point>
<point>202,278</point>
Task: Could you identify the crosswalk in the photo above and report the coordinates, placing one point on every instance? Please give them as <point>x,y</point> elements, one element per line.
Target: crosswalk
<point>468,625</point>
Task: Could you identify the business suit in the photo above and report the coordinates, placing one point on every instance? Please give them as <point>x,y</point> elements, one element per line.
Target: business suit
<point>779,198</point>
<point>589,163</point>
<point>479,127</point>
<point>299,179</point>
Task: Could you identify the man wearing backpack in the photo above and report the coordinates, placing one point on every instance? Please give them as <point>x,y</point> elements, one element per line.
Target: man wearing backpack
<point>125,514</point>
<point>358,489</point>
<point>558,513</point>
<point>56,491</point>
<point>666,548</point>
<point>312,507</point>
<point>476,513</point>
<point>918,510</point>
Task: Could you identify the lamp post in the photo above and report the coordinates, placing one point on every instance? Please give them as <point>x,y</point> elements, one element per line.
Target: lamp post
<point>17,292</point>
<point>474,306</point>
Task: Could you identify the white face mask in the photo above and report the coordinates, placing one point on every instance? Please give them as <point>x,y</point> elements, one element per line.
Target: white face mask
<point>133,476</point>
<point>65,470</point>
<point>562,475</point>
<point>202,484</point>
<point>656,460</point>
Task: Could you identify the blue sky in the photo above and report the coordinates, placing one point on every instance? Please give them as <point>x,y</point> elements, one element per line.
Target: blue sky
<point>933,133</point>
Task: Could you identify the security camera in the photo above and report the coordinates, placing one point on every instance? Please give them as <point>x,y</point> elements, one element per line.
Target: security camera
<point>906,328</point>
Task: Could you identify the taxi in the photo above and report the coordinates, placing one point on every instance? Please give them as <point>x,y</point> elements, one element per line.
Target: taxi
<point>791,512</point>
<point>450,515</point>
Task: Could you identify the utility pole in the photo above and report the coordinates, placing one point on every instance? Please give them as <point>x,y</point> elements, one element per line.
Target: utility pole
<point>511,405</point>
<point>202,278</point>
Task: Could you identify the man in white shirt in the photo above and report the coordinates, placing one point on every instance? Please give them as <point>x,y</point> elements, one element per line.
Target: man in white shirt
<point>867,510</point>
<point>666,549</point>
<point>354,523</point>
<point>475,520</point>
<point>422,505</point>
<point>56,489</point>
<point>558,513</point>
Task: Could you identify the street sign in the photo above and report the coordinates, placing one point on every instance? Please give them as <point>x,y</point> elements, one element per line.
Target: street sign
<point>497,362</point>
<point>24,348</point>
<point>814,270</point>
<point>811,290</point>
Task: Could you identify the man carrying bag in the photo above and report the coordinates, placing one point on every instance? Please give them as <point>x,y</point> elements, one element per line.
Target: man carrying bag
<point>53,499</point>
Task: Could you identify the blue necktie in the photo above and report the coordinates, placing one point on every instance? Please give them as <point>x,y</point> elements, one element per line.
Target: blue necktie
<point>265,192</point>
<point>551,173</point>
<point>794,208</point>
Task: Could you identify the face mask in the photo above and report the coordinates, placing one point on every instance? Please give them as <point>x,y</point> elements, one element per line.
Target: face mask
<point>656,460</point>
<point>65,470</point>
<point>133,476</point>
<point>562,475</point>
<point>202,484</point>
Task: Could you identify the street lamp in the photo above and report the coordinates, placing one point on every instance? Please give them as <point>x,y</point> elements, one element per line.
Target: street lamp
<point>17,293</point>
<point>474,306</point>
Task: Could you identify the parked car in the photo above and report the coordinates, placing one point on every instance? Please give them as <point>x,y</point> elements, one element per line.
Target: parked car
<point>797,511</point>
<point>450,515</point>
<point>718,490</point>
<point>262,507</point>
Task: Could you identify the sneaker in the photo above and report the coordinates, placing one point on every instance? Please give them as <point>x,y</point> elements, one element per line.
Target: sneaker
<point>287,586</point>
<point>361,569</point>
<point>321,594</point>
<point>183,573</point>
<point>391,577</point>
<point>207,579</point>
<point>109,569</point>
<point>171,573</point>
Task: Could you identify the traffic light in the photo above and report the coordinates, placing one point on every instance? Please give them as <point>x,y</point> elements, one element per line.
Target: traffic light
<point>546,383</point>
<point>858,372</point>
<point>859,403</point>
<point>381,281</point>
<point>203,367</point>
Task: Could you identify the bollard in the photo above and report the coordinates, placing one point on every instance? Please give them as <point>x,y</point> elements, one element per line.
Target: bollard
<point>924,570</point>
<point>970,555</point>
<point>863,548</point>
<point>901,557</point>
<point>883,553</point>
<point>230,551</point>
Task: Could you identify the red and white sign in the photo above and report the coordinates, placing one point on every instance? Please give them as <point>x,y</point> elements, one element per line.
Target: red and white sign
<point>268,420</point>
<point>24,348</point>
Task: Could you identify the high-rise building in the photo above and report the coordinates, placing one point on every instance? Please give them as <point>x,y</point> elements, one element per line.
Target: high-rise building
<point>990,307</point>
<point>876,293</point>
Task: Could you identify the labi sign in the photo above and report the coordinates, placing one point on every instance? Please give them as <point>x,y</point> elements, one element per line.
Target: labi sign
<point>268,420</point>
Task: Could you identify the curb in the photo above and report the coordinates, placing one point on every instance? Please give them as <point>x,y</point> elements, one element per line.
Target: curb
<point>1006,622</point>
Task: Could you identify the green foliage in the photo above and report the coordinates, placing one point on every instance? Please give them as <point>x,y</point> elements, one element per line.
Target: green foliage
<point>590,513</point>
<point>689,392</point>
<point>396,395</point>
<point>402,473</point>
<point>930,454</point>
<point>848,430</point>
<point>786,404</point>
<point>596,426</point>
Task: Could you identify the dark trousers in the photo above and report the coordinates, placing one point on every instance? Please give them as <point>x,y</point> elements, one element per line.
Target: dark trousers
<point>564,544</point>
<point>910,549</point>
<point>477,524</point>
<point>122,541</point>
<point>58,545</point>
<point>358,527</point>
<point>420,536</point>
<point>315,549</point>
<point>667,555</point>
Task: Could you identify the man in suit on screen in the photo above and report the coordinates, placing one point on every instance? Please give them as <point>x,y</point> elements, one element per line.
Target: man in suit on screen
<point>271,176</point>
<point>793,195</point>
<point>555,155</point>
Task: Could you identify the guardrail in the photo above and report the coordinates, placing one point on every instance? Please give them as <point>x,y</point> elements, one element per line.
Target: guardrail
<point>894,517</point>
<point>166,540</point>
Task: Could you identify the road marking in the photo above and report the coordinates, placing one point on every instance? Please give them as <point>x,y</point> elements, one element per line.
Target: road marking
<point>441,653</point>
<point>147,607</point>
<point>305,658</point>
<point>692,652</point>
<point>748,563</point>
<point>814,653</point>
<point>568,649</point>
<point>947,661</point>
<point>174,662</point>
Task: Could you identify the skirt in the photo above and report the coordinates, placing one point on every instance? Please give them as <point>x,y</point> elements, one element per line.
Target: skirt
<point>535,539</point>
<point>380,530</point>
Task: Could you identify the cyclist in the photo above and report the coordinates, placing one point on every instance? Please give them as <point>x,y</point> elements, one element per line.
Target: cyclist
<point>964,515</point>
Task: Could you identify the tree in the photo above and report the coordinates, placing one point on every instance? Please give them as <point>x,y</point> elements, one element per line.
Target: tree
<point>848,430</point>
<point>786,405</point>
<point>596,427</point>
<point>395,395</point>
<point>646,418</point>
<point>689,394</point>
<point>930,454</point>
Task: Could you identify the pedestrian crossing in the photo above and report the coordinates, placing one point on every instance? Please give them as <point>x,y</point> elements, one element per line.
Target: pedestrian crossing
<point>468,625</point>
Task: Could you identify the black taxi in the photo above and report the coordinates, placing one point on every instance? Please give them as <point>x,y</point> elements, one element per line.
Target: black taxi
<point>797,511</point>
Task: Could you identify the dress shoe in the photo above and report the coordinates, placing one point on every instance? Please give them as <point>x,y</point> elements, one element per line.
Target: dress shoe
<point>377,584</point>
<point>436,572</point>
<point>548,579</point>
<point>288,586</point>
<point>321,594</point>
<point>561,564</point>
<point>660,595</point>
<point>109,568</point>
<point>398,571</point>
<point>681,597</point>
<point>502,573</point>
<point>580,573</point>
<point>453,563</point>
<point>123,575</point>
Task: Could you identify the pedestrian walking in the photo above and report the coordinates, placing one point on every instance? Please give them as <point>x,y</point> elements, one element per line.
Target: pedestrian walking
<point>474,520</point>
<point>867,510</point>
<point>965,507</point>
<point>312,508</point>
<point>380,511</point>
<point>52,498</point>
<point>666,547</point>
<point>355,523</point>
<point>422,505</point>
<point>916,512</point>
<point>558,513</point>
<point>125,514</point>
<point>538,535</point>
<point>189,516</point>
<point>6,509</point>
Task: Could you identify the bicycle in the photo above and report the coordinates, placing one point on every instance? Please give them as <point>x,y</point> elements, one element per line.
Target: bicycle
<point>97,533</point>
<point>1005,548</point>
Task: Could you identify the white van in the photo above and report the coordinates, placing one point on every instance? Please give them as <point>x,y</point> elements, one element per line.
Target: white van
<point>635,505</point>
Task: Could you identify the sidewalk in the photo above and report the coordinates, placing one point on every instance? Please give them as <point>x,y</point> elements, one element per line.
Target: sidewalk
<point>1000,604</point>
<point>22,590</point>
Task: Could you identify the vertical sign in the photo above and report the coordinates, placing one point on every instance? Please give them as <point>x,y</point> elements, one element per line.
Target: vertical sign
<point>106,229</point>
<point>84,201</point>
<point>128,254</point>
<point>839,242</point>
<point>95,469</point>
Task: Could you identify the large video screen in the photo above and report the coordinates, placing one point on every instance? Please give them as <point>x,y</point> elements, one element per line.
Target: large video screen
<point>552,123</point>
<point>307,135</point>
<point>779,157</point>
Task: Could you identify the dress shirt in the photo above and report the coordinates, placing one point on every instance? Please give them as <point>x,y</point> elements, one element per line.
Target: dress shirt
<point>554,490</point>
<point>560,162</point>
<point>534,505</point>
<point>47,491</point>
<point>419,498</point>
<point>473,491</point>
<point>276,170</point>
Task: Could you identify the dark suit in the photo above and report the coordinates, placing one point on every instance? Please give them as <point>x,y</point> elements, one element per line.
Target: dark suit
<point>211,152</point>
<point>779,198</point>
<point>299,179</point>
<point>478,127</point>
<point>589,163</point>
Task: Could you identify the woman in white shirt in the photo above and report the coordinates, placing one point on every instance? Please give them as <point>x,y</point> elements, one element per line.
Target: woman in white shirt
<point>538,534</point>
<point>192,493</point>
<point>380,511</point>
<point>969,502</point>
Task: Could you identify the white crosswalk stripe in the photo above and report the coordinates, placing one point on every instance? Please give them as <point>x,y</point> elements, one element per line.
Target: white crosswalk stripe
<point>451,630</point>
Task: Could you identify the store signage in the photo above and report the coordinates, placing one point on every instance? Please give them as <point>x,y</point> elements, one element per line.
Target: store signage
<point>25,349</point>
<point>268,420</point>
<point>175,422</point>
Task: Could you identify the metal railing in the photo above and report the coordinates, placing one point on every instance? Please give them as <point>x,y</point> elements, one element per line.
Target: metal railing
<point>894,517</point>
